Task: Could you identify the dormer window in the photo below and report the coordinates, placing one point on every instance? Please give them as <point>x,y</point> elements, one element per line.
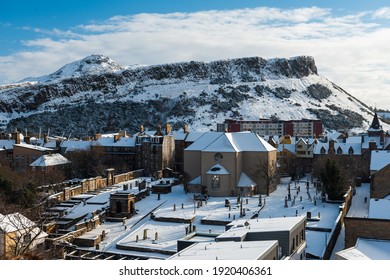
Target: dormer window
<point>350,151</point>
<point>339,151</point>
<point>322,151</point>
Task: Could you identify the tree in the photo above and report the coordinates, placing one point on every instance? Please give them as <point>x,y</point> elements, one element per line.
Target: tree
<point>19,235</point>
<point>268,171</point>
<point>333,180</point>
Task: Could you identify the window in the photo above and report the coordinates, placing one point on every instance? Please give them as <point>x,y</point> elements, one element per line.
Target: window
<point>339,151</point>
<point>215,182</point>
<point>350,151</point>
<point>27,238</point>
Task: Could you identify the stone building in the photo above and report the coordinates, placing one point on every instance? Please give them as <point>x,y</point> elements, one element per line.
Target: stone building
<point>229,164</point>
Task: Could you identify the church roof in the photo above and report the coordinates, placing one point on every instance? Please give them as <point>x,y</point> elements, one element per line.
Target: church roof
<point>375,122</point>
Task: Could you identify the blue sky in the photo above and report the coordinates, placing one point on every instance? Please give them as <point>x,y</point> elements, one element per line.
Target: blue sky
<point>348,39</point>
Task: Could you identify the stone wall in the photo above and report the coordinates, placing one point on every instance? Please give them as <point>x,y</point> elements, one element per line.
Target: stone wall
<point>380,183</point>
<point>93,184</point>
<point>365,228</point>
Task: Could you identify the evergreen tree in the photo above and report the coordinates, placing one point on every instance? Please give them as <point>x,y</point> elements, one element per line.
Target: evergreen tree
<point>333,180</point>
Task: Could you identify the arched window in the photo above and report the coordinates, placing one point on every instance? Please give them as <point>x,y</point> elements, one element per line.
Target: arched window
<point>322,151</point>
<point>215,182</point>
<point>339,151</point>
<point>350,151</point>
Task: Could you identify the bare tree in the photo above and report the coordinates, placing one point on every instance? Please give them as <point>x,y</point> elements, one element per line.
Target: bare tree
<point>20,235</point>
<point>268,171</point>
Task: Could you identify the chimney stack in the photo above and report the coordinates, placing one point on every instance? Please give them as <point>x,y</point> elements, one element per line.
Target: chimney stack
<point>167,129</point>
<point>16,137</point>
<point>185,128</point>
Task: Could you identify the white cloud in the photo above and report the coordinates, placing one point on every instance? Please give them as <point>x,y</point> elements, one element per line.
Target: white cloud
<point>350,50</point>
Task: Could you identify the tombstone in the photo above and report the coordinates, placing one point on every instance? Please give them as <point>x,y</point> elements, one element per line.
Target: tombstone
<point>307,184</point>
<point>260,203</point>
<point>136,238</point>
<point>174,207</point>
<point>194,228</point>
<point>285,202</point>
<point>246,201</point>
<point>315,202</point>
<point>182,206</point>
<point>156,236</point>
<point>296,212</point>
<point>319,215</point>
<point>227,202</point>
<point>300,198</point>
<point>186,230</point>
<point>229,215</point>
<point>238,199</point>
<point>289,197</point>
<point>158,196</point>
<point>234,217</point>
<point>365,200</point>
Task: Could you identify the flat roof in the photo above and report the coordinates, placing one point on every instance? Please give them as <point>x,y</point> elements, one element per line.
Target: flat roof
<point>229,250</point>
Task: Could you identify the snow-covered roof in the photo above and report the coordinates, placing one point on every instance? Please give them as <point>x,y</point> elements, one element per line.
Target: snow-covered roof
<point>263,225</point>
<point>110,142</point>
<point>33,147</point>
<point>289,147</point>
<point>367,249</point>
<point>179,135</point>
<point>203,140</point>
<point>13,222</point>
<point>343,147</point>
<point>245,181</point>
<point>196,181</point>
<point>231,142</point>
<point>50,160</point>
<point>379,159</point>
<point>379,209</point>
<point>76,145</point>
<point>239,142</point>
<point>229,250</point>
<point>218,170</point>
<point>194,135</point>
<point>7,144</point>
<point>367,139</point>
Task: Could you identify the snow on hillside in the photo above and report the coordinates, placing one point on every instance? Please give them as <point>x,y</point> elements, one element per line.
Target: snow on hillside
<point>99,95</point>
<point>90,65</point>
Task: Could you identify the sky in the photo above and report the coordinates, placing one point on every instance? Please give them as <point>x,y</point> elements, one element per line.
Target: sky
<point>348,39</point>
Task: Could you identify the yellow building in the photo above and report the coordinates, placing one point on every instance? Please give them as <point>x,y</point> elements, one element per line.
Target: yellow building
<point>18,236</point>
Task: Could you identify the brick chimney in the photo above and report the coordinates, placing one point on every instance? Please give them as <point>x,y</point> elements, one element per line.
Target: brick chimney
<point>16,137</point>
<point>372,145</point>
<point>117,137</point>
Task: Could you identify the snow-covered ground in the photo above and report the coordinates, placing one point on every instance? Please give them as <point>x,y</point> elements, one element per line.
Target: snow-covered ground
<point>163,236</point>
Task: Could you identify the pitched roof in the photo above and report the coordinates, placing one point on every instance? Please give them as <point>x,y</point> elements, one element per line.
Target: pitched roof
<point>231,142</point>
<point>375,123</point>
<point>14,222</point>
<point>379,159</point>
<point>50,160</point>
<point>218,170</point>
<point>245,181</point>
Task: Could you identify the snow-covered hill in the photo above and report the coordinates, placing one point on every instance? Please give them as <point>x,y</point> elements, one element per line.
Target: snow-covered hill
<point>97,95</point>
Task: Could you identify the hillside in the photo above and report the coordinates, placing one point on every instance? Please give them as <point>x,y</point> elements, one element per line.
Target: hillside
<point>97,95</point>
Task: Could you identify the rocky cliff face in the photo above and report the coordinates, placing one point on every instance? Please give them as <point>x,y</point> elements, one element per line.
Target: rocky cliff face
<point>97,95</point>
